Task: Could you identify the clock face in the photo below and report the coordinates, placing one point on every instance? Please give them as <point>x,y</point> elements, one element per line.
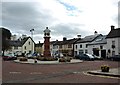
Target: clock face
<point>47,34</point>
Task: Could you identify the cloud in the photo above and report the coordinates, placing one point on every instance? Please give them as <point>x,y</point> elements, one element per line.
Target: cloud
<point>65,18</point>
<point>23,16</point>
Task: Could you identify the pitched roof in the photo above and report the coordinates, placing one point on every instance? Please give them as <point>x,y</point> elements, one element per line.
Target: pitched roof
<point>99,40</point>
<point>19,42</point>
<point>114,33</point>
<point>88,38</point>
<point>70,41</point>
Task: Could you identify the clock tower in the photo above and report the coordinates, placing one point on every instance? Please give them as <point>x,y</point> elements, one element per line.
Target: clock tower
<point>47,43</point>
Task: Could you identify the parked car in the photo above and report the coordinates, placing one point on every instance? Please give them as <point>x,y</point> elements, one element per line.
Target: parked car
<point>18,53</point>
<point>85,57</point>
<point>32,55</point>
<point>58,55</point>
<point>9,56</point>
<point>115,58</point>
<point>97,57</point>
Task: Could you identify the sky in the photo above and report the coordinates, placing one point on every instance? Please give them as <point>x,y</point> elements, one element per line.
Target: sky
<point>65,18</point>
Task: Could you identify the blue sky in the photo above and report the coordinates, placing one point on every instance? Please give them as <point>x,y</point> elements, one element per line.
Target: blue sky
<point>65,18</point>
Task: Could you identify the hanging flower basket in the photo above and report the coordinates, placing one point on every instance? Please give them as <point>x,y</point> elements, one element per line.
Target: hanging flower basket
<point>105,68</point>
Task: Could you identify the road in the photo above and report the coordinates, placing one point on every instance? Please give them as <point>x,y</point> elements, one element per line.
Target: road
<point>62,73</point>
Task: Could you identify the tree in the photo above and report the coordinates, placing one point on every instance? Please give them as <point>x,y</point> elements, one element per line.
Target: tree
<point>6,34</point>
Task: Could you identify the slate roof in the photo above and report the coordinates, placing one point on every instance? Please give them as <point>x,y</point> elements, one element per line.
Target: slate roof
<point>19,43</point>
<point>114,33</point>
<point>70,41</point>
<point>88,38</point>
<point>99,40</point>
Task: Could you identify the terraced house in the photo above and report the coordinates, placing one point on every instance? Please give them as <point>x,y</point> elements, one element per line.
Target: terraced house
<point>66,47</point>
<point>98,46</point>
<point>81,46</point>
<point>113,42</point>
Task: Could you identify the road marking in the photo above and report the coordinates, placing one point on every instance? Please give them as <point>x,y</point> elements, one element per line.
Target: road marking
<point>100,75</point>
<point>35,73</point>
<point>76,72</point>
<point>15,72</point>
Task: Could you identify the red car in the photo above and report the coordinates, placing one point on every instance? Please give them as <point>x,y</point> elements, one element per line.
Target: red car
<point>9,56</point>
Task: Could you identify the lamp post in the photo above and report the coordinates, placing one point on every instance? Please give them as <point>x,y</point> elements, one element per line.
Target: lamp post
<point>32,39</point>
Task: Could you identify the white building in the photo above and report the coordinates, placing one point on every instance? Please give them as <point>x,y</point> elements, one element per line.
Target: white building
<point>24,45</point>
<point>113,42</point>
<point>81,46</point>
<point>98,46</point>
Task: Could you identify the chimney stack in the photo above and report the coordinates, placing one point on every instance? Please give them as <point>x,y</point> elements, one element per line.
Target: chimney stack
<point>112,27</point>
<point>79,36</point>
<point>64,38</point>
<point>95,33</point>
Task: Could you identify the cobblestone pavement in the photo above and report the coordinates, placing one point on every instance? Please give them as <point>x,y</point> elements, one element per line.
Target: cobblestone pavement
<point>63,73</point>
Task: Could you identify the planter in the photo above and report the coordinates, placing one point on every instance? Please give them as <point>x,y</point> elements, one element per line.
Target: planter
<point>64,59</point>
<point>105,68</point>
<point>23,59</point>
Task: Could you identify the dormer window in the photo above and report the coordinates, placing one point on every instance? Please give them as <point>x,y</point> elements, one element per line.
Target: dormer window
<point>100,39</point>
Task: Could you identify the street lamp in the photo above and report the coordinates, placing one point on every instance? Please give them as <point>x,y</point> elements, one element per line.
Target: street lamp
<point>32,38</point>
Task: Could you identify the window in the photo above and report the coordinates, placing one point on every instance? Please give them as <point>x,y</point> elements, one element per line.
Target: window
<point>113,42</point>
<point>86,51</point>
<point>69,46</point>
<point>30,51</point>
<point>80,46</point>
<point>29,42</point>
<point>25,47</point>
<point>15,47</point>
<point>86,45</point>
<point>76,46</point>
<point>101,47</point>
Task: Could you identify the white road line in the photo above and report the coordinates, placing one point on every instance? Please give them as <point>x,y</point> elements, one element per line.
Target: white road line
<point>15,72</point>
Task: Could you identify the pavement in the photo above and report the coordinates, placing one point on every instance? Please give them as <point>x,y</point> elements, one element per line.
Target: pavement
<point>31,61</point>
<point>113,72</point>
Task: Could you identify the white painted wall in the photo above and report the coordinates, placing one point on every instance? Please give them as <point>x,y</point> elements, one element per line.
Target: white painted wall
<point>90,48</point>
<point>78,47</point>
<point>28,47</point>
<point>117,45</point>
